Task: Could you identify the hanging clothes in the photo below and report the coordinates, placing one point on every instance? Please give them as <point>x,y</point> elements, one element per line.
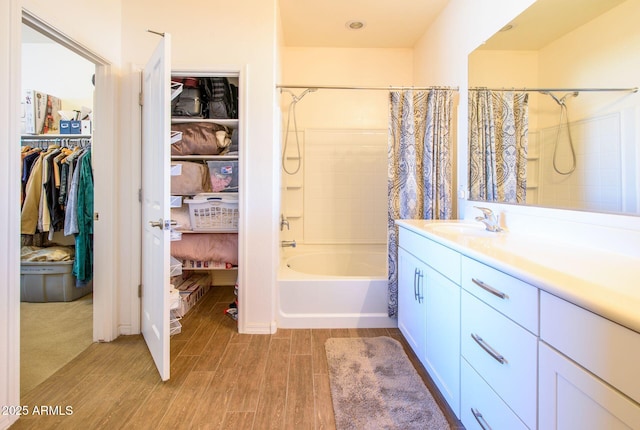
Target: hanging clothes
<point>33,194</point>
<point>83,263</point>
<point>58,196</point>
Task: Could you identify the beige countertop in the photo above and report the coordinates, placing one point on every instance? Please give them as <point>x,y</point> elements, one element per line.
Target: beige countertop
<point>600,281</point>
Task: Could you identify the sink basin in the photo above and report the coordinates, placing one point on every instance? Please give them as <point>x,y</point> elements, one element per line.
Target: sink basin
<point>460,228</point>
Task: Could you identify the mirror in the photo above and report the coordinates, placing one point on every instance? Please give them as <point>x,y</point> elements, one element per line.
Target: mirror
<point>582,145</point>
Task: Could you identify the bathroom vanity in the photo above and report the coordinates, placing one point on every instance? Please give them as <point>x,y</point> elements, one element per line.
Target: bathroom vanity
<point>519,332</point>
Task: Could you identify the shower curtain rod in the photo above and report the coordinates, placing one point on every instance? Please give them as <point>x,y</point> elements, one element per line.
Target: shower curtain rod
<point>388,88</point>
<point>633,90</point>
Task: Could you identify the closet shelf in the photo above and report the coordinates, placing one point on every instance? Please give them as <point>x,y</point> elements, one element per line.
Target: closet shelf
<point>203,157</point>
<point>231,123</point>
<point>54,136</point>
<point>235,230</point>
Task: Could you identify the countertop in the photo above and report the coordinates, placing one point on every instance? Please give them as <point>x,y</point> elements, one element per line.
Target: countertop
<point>600,281</point>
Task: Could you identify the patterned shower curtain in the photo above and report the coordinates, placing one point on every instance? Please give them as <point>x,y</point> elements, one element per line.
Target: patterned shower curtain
<point>419,166</point>
<point>498,128</point>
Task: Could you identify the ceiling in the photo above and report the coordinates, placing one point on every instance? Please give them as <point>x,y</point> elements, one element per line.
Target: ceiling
<point>547,20</point>
<point>388,23</point>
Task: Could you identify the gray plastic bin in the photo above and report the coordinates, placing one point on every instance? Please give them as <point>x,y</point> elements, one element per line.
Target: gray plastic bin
<point>50,282</point>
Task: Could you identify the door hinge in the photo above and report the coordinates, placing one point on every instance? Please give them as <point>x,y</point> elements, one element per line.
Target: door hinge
<point>140,99</point>
<point>139,290</point>
<point>140,195</point>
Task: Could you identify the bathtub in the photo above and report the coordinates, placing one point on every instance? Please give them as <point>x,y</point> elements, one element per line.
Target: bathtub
<point>333,286</point>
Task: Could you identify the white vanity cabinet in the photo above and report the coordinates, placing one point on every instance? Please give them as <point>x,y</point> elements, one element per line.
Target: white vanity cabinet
<point>412,317</point>
<point>500,346</point>
<point>588,370</point>
<point>527,358</point>
<point>429,309</point>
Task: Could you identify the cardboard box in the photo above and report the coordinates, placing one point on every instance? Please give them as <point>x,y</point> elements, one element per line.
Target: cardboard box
<point>34,106</point>
<point>52,117</point>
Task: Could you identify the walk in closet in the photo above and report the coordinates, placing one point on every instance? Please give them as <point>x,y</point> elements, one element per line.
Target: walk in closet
<point>204,188</point>
<point>56,205</point>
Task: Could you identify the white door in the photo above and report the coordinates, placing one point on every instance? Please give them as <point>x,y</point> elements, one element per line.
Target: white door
<point>155,204</point>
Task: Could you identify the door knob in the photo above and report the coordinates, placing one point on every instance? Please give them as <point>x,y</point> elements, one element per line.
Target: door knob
<point>162,224</point>
<point>159,224</point>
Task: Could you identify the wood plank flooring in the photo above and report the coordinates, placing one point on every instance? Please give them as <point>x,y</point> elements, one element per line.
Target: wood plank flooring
<point>219,380</point>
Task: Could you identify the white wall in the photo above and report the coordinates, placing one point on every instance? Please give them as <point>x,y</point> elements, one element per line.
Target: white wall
<point>71,81</point>
<point>339,194</point>
<point>95,25</point>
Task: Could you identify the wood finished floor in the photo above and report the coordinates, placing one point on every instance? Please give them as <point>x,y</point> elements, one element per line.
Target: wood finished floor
<point>219,379</point>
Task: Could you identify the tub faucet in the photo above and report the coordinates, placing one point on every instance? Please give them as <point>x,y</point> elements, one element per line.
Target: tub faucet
<point>288,243</point>
<point>283,222</point>
<point>489,219</point>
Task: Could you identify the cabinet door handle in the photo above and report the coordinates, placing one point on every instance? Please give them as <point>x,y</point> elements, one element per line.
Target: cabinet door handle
<point>489,289</point>
<point>415,284</point>
<point>492,352</point>
<point>420,288</point>
<point>478,416</point>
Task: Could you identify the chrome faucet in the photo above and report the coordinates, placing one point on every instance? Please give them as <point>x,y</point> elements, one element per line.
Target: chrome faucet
<point>283,222</point>
<point>489,219</point>
<point>288,243</point>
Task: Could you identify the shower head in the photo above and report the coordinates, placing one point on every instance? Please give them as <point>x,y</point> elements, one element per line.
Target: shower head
<point>560,100</point>
<point>296,99</point>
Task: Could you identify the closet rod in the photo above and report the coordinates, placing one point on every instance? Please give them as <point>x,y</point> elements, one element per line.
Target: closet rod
<point>55,137</point>
<point>64,141</point>
<point>337,87</point>
<point>632,90</point>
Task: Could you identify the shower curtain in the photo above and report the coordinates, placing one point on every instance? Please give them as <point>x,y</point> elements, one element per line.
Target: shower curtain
<point>419,166</point>
<point>498,127</point>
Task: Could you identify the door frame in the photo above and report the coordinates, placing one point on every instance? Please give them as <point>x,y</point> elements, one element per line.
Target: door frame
<point>12,17</point>
<point>105,202</point>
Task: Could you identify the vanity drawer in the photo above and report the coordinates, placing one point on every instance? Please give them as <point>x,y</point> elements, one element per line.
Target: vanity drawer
<point>481,406</point>
<point>444,260</point>
<point>512,297</point>
<point>503,353</point>
<point>606,349</point>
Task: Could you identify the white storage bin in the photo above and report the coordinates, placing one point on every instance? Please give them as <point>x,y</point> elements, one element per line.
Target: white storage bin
<point>175,267</point>
<point>214,212</point>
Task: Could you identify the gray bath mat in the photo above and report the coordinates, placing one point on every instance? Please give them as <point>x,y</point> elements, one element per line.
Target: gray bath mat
<point>375,386</point>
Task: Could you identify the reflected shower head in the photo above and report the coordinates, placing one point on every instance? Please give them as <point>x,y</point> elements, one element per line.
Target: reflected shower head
<point>560,100</point>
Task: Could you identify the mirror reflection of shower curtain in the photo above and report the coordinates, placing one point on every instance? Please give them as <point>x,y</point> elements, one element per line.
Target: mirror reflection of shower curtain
<point>498,128</point>
<point>419,166</point>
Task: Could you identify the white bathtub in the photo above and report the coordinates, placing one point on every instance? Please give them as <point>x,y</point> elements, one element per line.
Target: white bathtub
<point>333,286</point>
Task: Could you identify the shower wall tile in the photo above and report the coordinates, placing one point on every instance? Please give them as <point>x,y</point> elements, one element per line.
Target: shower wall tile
<point>345,186</point>
<point>596,182</point>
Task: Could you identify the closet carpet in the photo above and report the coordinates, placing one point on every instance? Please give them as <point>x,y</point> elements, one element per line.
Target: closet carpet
<point>51,335</point>
<point>219,379</point>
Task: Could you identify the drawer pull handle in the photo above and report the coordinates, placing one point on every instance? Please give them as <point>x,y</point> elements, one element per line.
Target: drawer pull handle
<point>492,352</point>
<point>489,289</point>
<point>420,287</point>
<point>478,416</point>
